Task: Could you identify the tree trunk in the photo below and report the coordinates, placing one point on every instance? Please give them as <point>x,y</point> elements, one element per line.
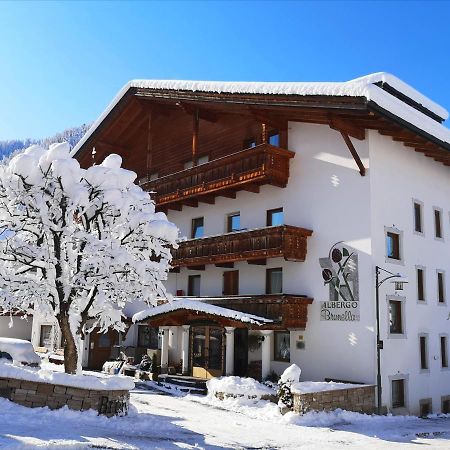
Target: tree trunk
<point>70,348</point>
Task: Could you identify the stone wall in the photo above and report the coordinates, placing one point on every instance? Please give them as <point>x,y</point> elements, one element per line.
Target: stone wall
<point>36,394</point>
<point>358,399</point>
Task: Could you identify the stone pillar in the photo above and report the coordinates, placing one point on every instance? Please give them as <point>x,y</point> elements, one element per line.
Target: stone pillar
<point>266,353</point>
<point>185,349</point>
<point>164,349</point>
<point>229,346</point>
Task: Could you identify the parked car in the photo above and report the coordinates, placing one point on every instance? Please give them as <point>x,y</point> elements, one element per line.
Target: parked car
<point>19,351</point>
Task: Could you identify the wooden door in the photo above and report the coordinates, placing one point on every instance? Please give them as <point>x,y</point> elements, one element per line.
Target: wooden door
<point>207,351</point>
<point>100,347</point>
<point>231,282</point>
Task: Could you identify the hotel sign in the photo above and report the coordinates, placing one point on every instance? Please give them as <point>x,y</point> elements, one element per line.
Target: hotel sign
<point>340,274</point>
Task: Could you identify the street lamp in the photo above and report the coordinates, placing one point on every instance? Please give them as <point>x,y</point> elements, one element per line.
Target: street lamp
<point>398,281</point>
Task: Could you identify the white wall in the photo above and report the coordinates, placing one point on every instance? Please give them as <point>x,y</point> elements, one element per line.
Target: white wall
<point>21,328</point>
<point>399,175</point>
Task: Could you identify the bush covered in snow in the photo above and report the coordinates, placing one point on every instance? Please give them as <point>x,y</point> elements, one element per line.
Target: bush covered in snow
<point>290,376</point>
<point>237,386</point>
<point>78,244</point>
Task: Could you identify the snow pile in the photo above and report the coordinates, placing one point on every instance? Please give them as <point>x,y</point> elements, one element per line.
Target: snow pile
<point>306,387</point>
<point>8,370</point>
<point>195,305</point>
<point>237,386</point>
<point>20,350</point>
<point>291,374</point>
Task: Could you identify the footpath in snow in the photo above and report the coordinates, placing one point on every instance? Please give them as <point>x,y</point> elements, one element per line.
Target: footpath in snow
<point>161,421</point>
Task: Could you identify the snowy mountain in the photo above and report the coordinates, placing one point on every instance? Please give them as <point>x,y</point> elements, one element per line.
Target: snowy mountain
<point>70,135</point>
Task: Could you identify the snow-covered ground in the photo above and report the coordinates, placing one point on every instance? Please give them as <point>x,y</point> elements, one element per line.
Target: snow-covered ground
<point>159,421</point>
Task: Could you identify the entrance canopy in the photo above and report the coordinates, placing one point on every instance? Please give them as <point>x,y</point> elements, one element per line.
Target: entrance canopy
<point>191,305</point>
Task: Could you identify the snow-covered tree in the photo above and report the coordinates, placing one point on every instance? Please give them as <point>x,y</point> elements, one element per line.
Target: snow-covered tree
<point>78,244</point>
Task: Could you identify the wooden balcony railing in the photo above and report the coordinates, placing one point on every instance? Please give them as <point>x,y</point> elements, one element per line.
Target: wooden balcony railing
<point>244,170</point>
<point>258,244</point>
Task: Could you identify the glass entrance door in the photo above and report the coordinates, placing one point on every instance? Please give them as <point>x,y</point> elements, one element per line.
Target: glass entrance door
<point>207,351</point>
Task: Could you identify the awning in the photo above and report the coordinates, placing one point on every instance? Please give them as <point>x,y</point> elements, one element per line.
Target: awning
<point>199,307</point>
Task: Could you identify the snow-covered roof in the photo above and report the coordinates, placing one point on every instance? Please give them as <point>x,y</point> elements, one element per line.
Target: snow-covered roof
<point>367,87</point>
<point>199,306</point>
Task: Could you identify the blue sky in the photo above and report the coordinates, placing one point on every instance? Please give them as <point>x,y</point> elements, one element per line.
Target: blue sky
<point>61,63</point>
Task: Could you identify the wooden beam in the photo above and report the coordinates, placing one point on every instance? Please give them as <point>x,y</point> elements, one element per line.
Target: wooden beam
<point>251,188</point>
<point>264,133</point>
<point>174,270</point>
<point>192,202</point>
<point>362,169</point>
<point>149,144</point>
<point>175,206</point>
<point>226,265</point>
<point>199,267</point>
<point>202,113</point>
<point>347,127</point>
<point>210,199</point>
<point>194,138</point>
<point>258,262</point>
<point>228,194</point>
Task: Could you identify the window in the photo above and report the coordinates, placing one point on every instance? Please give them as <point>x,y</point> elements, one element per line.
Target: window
<point>153,176</point>
<point>445,405</point>
<point>398,393</point>
<point>274,281</point>
<point>395,317</point>
<point>194,285</point>
<point>45,339</point>
<point>233,222</point>
<point>250,143</point>
<point>147,337</point>
<point>425,407</point>
<point>444,356</point>
<point>188,164</point>
<point>441,287</point>
<point>420,284</point>
<point>231,282</point>
<point>202,160</point>
<point>198,227</point>
<point>437,223</point>
<point>282,346</point>
<point>275,217</point>
<point>393,245</point>
<point>274,138</point>
<point>423,352</point>
<point>418,226</point>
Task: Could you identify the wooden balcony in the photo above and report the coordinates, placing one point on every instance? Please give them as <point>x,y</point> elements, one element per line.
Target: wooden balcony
<point>254,246</point>
<point>244,170</point>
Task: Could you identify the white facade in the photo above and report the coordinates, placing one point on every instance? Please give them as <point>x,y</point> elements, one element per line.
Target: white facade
<point>20,328</point>
<point>326,194</point>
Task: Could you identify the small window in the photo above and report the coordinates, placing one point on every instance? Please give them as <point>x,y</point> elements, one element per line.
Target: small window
<point>425,407</point>
<point>420,285</point>
<point>249,143</point>
<point>194,285</point>
<point>395,317</point>
<point>393,245</point>
<point>445,405</point>
<point>423,352</point>
<point>231,282</point>
<point>188,164</point>
<point>441,287</point>
<point>437,223</point>
<point>198,228</point>
<point>282,346</point>
<point>45,339</point>
<point>275,217</point>
<point>147,337</point>
<point>274,138</point>
<point>418,227</point>
<point>153,176</point>
<point>104,340</point>
<point>274,281</point>
<point>444,356</point>
<point>233,222</point>
<point>398,393</point>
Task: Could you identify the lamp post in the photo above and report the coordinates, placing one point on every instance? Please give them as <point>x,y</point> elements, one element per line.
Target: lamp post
<point>398,287</point>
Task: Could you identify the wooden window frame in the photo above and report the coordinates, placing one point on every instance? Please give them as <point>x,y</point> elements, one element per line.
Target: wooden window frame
<point>441,287</point>
<point>443,347</point>
<point>41,343</point>
<point>398,245</point>
<point>421,284</point>
<point>190,285</point>
<point>236,282</point>
<point>269,215</point>
<point>423,353</point>
<point>438,223</point>
<point>193,229</point>
<point>418,209</point>
<point>229,221</point>
<point>399,302</point>
<point>269,280</point>
<point>276,357</point>
<point>403,382</point>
